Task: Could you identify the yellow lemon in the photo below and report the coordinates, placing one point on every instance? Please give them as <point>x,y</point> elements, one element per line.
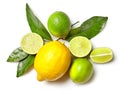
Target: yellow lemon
<point>52,61</point>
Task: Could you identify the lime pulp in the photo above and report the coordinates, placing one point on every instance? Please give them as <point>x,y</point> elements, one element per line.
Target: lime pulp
<point>31,43</point>
<point>80,46</point>
<point>101,55</point>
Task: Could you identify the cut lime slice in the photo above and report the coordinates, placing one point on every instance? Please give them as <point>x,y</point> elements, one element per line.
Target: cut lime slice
<point>31,43</point>
<point>101,55</point>
<point>80,46</point>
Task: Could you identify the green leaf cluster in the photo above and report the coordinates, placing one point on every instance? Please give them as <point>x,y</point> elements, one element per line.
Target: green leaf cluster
<point>25,61</point>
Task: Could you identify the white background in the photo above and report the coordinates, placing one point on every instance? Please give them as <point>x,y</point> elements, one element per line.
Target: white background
<point>13,25</point>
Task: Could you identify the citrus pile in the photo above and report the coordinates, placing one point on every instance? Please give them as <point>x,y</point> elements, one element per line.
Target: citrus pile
<point>52,58</point>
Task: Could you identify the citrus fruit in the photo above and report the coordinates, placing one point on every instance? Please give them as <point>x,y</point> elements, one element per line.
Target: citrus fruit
<point>101,55</point>
<point>59,24</point>
<point>52,61</point>
<point>31,43</point>
<point>80,46</point>
<point>81,70</point>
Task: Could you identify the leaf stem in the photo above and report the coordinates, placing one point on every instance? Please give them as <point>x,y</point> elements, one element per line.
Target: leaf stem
<point>74,24</point>
<point>59,39</point>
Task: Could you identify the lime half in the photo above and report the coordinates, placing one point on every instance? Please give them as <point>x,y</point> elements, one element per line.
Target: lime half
<point>101,55</point>
<point>80,46</point>
<point>31,43</point>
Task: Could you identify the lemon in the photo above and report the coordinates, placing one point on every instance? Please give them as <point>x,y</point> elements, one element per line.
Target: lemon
<point>59,24</point>
<point>31,43</point>
<point>81,70</point>
<point>101,55</point>
<point>80,46</point>
<point>52,61</point>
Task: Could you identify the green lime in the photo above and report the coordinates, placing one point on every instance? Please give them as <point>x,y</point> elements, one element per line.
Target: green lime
<point>59,24</point>
<point>101,55</point>
<point>31,43</point>
<point>81,70</point>
<point>80,46</point>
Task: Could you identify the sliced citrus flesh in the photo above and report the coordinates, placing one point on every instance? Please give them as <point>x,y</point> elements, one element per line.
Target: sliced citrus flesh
<point>80,46</point>
<point>101,55</point>
<point>31,43</point>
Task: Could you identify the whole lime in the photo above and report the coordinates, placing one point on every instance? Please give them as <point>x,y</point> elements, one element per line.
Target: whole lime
<point>59,24</point>
<point>81,70</point>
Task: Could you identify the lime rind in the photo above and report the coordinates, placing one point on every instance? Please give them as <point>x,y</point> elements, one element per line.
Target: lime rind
<point>59,24</point>
<point>81,70</point>
<point>31,43</point>
<point>80,46</point>
<point>101,55</point>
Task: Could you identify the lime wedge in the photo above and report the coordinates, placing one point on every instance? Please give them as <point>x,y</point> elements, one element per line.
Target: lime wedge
<point>31,43</point>
<point>80,46</point>
<point>101,55</point>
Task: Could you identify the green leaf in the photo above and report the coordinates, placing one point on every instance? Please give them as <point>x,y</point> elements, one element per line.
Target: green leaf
<point>89,28</point>
<point>36,25</point>
<point>17,55</point>
<point>24,65</point>
<point>74,31</point>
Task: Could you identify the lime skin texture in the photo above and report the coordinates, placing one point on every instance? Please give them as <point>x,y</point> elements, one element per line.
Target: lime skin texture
<point>59,24</point>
